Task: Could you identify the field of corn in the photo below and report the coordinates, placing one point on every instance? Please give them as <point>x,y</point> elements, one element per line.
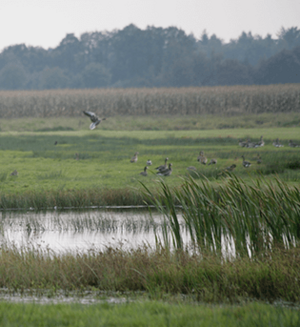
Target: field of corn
<point>162,101</point>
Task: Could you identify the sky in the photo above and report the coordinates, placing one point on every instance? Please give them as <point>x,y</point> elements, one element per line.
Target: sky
<point>45,23</point>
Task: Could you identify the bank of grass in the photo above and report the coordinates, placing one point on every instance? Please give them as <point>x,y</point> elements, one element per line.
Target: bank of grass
<point>158,122</point>
<point>206,277</point>
<point>147,313</point>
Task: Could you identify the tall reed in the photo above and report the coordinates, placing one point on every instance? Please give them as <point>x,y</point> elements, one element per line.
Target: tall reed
<point>249,219</point>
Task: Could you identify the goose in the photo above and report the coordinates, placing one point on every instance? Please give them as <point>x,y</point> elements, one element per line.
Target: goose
<point>191,168</point>
<point>14,173</point>
<point>201,154</point>
<point>260,142</point>
<point>95,120</point>
<point>149,162</point>
<point>242,143</point>
<point>201,158</point>
<point>144,173</point>
<point>258,159</point>
<point>162,167</point>
<point>231,168</point>
<point>166,172</point>
<point>250,144</point>
<point>292,144</point>
<point>246,164</point>
<point>212,162</point>
<point>277,144</point>
<point>55,143</point>
<point>134,158</point>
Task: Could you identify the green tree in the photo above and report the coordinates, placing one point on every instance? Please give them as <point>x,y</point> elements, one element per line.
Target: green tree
<point>53,78</point>
<point>12,77</point>
<point>95,75</point>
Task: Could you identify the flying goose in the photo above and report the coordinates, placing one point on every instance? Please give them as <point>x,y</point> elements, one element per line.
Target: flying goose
<point>162,167</point>
<point>95,120</point>
<point>166,172</point>
<point>246,164</point>
<point>144,173</point>
<point>134,158</point>
<point>149,162</point>
<point>212,162</point>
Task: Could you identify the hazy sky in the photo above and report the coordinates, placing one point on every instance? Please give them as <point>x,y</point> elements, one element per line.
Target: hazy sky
<point>46,22</point>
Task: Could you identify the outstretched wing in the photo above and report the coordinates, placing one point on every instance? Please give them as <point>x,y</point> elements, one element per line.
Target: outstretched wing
<point>92,116</point>
<point>94,125</point>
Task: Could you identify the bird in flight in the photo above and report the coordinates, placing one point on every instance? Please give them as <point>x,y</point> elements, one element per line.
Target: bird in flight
<point>95,120</point>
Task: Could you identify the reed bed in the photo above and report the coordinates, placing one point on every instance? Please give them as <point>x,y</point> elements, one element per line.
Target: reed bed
<point>151,101</point>
<point>237,218</point>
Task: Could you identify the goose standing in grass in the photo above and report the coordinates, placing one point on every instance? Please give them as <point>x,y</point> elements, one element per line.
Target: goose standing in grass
<point>144,173</point>
<point>230,168</point>
<point>134,158</point>
<point>246,164</point>
<point>258,159</point>
<point>201,158</point>
<point>95,120</point>
<point>292,144</point>
<point>14,173</point>
<point>166,172</point>
<point>260,142</point>
<point>149,162</point>
<point>191,168</point>
<point>277,144</point>
<point>212,162</point>
<point>162,167</point>
<point>242,143</point>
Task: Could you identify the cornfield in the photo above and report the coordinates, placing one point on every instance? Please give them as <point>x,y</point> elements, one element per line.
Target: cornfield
<point>151,101</point>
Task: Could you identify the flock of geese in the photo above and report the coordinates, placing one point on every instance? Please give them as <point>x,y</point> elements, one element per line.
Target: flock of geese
<point>166,170</point>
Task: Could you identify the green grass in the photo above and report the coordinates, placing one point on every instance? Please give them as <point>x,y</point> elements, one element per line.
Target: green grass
<point>147,313</point>
<point>207,276</point>
<point>104,157</point>
<point>155,122</point>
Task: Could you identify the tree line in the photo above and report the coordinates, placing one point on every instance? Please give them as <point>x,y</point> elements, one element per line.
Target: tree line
<point>153,57</point>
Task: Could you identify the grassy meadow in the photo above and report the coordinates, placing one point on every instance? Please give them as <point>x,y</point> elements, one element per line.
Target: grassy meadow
<point>44,136</point>
<point>147,313</point>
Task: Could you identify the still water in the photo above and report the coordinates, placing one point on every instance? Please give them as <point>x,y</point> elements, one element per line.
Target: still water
<point>81,231</point>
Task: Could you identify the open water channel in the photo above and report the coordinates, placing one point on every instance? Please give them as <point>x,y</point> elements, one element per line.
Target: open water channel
<point>63,231</point>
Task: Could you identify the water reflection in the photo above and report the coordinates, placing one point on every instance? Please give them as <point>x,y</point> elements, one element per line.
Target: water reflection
<point>65,231</point>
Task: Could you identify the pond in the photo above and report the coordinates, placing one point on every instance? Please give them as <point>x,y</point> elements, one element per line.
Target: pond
<point>67,231</point>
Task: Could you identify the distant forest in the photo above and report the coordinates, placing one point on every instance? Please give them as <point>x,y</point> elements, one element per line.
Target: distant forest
<point>154,57</point>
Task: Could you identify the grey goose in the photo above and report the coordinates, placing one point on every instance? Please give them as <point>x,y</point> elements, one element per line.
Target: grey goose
<point>95,119</point>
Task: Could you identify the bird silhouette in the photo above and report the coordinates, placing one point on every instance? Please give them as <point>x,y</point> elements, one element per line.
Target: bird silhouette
<point>95,119</point>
